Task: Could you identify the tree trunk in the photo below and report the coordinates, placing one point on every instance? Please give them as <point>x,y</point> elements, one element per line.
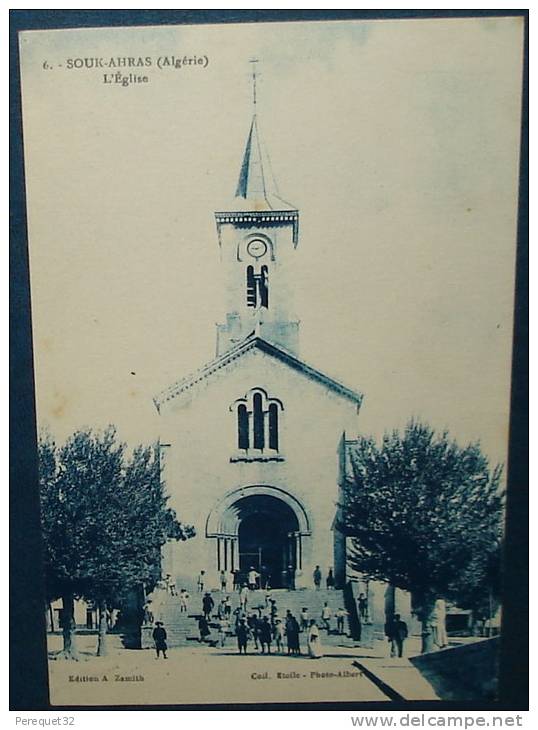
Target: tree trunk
<point>68,627</point>
<point>51,618</point>
<point>490,614</point>
<point>427,619</point>
<point>473,624</point>
<point>101,641</point>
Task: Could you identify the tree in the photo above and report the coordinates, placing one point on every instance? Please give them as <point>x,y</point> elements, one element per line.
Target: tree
<point>479,589</point>
<point>105,519</point>
<point>424,515</point>
<point>56,542</point>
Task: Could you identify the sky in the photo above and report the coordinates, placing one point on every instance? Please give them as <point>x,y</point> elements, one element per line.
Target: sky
<point>396,140</point>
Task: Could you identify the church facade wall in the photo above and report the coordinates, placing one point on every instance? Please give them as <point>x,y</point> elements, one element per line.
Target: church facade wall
<point>202,464</point>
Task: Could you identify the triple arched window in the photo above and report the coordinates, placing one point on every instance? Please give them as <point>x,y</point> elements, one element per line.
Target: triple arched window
<point>258,421</point>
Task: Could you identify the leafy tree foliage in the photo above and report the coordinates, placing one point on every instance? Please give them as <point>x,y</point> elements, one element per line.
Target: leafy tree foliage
<point>479,589</point>
<point>424,514</point>
<point>105,518</point>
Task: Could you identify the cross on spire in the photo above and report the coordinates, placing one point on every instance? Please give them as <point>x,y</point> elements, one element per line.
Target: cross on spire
<point>256,185</point>
<point>254,61</point>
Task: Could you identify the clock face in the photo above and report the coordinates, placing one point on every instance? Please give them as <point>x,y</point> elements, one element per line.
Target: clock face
<point>257,248</point>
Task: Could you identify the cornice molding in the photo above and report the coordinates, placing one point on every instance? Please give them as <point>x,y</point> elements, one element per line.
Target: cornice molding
<point>254,343</point>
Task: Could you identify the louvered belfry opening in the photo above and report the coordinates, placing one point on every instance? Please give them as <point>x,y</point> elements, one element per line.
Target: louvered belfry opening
<point>257,287</point>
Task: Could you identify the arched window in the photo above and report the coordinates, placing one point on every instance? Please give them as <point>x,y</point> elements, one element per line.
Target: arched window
<point>273,426</point>
<point>257,287</point>
<point>242,427</point>
<point>259,439</point>
<point>257,421</point>
<point>251,287</point>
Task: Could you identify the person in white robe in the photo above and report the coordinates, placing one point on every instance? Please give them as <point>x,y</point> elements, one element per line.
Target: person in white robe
<point>314,641</point>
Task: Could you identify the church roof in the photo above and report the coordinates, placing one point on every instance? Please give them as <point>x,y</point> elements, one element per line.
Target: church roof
<point>250,343</point>
<point>256,188</point>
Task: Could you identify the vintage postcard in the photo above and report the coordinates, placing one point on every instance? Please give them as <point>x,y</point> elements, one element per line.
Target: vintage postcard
<point>272,282</point>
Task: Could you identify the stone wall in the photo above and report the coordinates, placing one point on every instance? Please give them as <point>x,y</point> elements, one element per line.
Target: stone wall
<point>468,672</point>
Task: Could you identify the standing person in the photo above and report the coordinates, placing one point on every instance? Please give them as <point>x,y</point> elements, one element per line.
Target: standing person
<point>264,630</point>
<point>201,581</point>
<point>203,628</point>
<point>236,574</point>
<point>89,618</point>
<point>227,607</point>
<point>253,624</point>
<point>396,631</point>
<point>221,610</point>
<point>340,620</point>
<point>279,634</point>
<point>267,597</point>
<point>326,615</point>
<point>243,597</point>
<point>363,606</point>
<point>274,610</point>
<point>242,636</point>
<point>297,646</point>
<point>224,627</point>
<point>305,620</point>
<point>264,577</point>
<point>207,606</point>
<point>290,578</point>
<point>252,578</point>
<point>183,601</point>
<point>238,613</point>
<point>330,580</point>
<point>292,633</point>
<point>289,631</point>
<point>440,637</point>
<point>148,615</point>
<point>223,581</point>
<point>314,641</point>
<point>159,637</point>
<point>317,577</point>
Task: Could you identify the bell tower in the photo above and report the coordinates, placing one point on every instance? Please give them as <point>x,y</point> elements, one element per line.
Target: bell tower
<point>258,233</point>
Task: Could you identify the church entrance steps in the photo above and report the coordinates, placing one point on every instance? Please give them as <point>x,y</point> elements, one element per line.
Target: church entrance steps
<point>182,627</point>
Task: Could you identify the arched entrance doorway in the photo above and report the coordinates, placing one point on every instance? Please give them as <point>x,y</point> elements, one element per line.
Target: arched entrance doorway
<point>260,527</point>
<point>267,538</point>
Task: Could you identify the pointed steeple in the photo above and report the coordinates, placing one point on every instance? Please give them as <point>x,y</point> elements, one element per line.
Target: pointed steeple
<point>256,187</point>
<point>258,232</point>
<point>251,183</point>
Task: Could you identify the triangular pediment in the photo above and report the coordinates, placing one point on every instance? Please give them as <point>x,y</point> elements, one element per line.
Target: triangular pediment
<point>241,349</point>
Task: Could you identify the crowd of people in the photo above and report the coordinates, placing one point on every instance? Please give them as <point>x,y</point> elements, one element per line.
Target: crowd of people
<point>262,628</point>
<point>258,628</point>
<point>260,579</point>
<point>283,634</point>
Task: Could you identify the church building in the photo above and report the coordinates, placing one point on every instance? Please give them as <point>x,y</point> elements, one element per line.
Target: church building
<point>254,442</point>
